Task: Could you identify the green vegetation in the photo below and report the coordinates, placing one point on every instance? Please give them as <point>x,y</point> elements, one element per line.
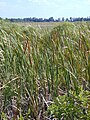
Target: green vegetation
<point>45,74</point>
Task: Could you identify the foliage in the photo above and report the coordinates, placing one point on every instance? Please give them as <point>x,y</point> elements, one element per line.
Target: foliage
<point>36,66</point>
<point>72,107</point>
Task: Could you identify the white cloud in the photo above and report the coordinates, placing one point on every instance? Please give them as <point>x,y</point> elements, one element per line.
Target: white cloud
<point>61,3</point>
<point>87,2</point>
<point>45,2</point>
<point>83,2</point>
<point>39,1</point>
<point>2,4</point>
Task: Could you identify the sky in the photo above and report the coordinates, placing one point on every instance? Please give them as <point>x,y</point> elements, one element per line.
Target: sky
<point>44,8</point>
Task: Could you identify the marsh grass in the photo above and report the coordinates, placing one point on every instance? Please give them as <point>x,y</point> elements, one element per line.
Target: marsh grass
<point>36,67</point>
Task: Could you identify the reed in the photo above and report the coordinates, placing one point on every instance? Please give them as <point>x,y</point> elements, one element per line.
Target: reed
<point>36,67</point>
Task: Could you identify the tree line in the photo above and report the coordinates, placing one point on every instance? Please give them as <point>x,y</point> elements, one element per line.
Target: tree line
<point>51,19</point>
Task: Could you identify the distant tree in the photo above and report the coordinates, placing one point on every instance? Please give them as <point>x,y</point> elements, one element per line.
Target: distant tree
<point>0,18</point>
<point>46,20</point>
<point>81,19</point>
<point>51,19</point>
<point>40,20</point>
<point>67,19</point>
<point>58,19</point>
<point>62,19</point>
<point>71,19</point>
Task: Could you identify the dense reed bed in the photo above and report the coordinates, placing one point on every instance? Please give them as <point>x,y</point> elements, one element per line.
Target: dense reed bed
<point>45,75</point>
